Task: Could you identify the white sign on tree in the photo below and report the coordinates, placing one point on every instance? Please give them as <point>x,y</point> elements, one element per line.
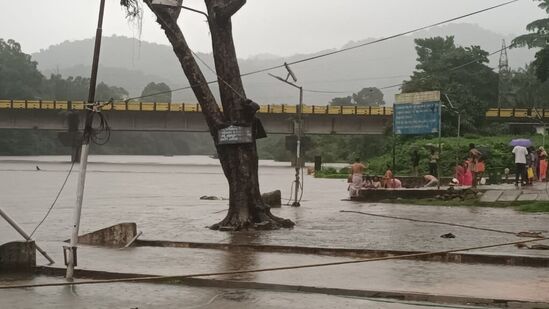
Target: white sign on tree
<point>165,2</point>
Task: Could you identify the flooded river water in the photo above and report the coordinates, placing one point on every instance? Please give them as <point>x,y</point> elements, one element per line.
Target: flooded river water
<point>161,194</point>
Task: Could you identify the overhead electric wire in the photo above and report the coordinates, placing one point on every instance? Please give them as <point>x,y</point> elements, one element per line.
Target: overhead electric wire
<point>219,77</point>
<point>430,221</point>
<point>326,91</point>
<point>448,70</point>
<point>382,39</point>
<point>340,50</point>
<point>54,201</point>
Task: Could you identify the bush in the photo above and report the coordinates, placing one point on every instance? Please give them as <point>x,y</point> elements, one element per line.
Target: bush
<point>496,149</point>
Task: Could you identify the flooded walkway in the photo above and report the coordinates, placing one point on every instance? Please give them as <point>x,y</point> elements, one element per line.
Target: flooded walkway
<point>163,199</point>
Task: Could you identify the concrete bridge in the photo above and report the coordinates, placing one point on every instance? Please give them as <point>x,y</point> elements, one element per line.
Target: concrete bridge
<point>185,117</point>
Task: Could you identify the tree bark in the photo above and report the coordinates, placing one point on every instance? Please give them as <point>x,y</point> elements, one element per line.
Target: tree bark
<point>240,161</point>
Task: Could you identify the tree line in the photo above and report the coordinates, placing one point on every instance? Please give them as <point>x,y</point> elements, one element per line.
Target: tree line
<point>21,79</point>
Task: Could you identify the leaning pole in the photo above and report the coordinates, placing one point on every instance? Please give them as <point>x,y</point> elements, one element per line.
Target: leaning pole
<point>70,251</point>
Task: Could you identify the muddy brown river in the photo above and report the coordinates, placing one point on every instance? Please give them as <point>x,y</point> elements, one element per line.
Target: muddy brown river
<point>161,194</point>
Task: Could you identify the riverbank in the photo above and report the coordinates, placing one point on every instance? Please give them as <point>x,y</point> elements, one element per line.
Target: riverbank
<point>528,199</point>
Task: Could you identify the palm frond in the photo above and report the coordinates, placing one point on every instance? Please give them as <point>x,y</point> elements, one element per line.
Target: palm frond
<point>531,40</point>
<point>540,25</point>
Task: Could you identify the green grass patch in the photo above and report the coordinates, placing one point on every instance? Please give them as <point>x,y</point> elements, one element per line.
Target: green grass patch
<point>533,207</point>
<point>331,176</point>
<point>332,173</point>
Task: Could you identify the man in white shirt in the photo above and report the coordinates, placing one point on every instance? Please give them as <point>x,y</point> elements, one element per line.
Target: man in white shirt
<point>520,163</point>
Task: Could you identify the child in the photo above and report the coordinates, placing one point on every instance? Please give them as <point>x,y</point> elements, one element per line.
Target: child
<point>376,184</point>
<point>367,182</point>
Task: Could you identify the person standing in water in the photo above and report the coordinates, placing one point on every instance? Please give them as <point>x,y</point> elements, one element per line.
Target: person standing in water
<point>356,170</point>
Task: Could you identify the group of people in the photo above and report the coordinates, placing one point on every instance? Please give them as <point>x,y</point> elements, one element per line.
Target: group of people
<point>358,182</point>
<point>470,171</point>
<point>531,165</point>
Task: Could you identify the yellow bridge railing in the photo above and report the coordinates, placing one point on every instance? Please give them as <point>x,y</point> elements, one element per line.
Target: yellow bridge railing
<point>194,107</point>
<point>265,109</point>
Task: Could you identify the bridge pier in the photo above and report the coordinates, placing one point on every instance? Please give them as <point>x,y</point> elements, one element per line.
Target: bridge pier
<point>73,137</point>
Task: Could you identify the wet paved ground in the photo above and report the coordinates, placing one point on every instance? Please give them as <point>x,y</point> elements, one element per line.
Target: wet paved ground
<point>163,200</point>
<point>538,191</point>
<point>137,295</point>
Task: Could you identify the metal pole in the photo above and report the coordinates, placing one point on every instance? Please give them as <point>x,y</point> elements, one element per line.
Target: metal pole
<point>394,152</point>
<point>439,142</point>
<point>25,235</point>
<point>458,137</point>
<point>298,148</point>
<point>71,254</point>
<point>394,143</point>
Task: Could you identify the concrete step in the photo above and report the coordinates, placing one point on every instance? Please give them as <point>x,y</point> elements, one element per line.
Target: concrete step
<point>528,197</point>
<point>491,196</point>
<point>509,196</point>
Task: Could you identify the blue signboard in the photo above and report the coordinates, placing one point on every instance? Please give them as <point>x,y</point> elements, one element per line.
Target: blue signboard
<point>416,118</point>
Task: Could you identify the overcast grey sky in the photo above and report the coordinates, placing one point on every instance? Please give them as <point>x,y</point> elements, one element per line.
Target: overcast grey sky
<point>281,27</point>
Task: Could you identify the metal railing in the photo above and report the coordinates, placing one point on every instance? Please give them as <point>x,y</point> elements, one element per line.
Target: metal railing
<point>194,107</point>
<point>265,109</point>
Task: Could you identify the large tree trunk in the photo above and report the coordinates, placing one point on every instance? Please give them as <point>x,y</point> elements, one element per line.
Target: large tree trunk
<point>239,162</point>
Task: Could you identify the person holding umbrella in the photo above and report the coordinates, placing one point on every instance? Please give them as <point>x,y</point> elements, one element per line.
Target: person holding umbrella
<point>521,152</point>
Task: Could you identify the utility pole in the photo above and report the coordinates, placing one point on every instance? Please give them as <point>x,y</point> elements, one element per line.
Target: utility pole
<point>298,148</point>
<point>298,130</point>
<point>70,251</point>
<point>439,142</point>
<point>503,74</point>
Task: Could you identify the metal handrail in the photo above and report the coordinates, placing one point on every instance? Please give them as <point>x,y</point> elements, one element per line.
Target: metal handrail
<point>265,109</point>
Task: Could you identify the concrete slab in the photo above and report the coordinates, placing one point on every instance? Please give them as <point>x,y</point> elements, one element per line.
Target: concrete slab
<point>117,235</point>
<point>528,197</point>
<point>17,255</point>
<point>416,298</point>
<point>491,196</point>
<point>165,296</point>
<point>543,197</point>
<point>468,280</point>
<point>509,196</point>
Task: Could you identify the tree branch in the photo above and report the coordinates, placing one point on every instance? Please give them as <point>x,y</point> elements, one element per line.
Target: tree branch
<point>226,9</point>
<point>167,18</point>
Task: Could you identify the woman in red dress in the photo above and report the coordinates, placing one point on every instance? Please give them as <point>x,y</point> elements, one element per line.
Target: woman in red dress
<point>467,175</point>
